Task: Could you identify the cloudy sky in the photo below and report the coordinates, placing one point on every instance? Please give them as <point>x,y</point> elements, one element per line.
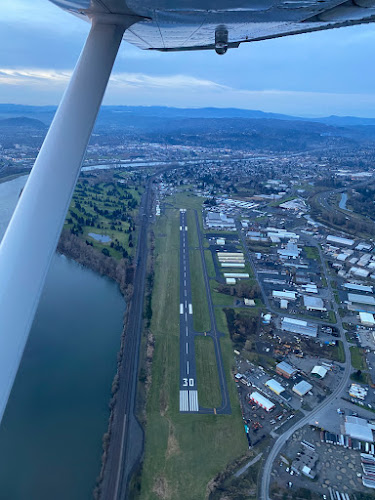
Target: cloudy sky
<point>313,74</point>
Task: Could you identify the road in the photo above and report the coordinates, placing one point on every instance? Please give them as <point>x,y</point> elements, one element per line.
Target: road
<point>314,415</point>
<point>126,443</point>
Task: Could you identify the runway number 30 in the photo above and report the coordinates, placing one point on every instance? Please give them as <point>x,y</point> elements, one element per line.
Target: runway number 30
<point>187,382</point>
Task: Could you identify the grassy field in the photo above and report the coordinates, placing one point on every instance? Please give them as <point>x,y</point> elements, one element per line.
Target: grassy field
<point>201,316</point>
<point>220,299</point>
<point>192,229</point>
<point>312,253</point>
<point>207,374</point>
<point>182,452</point>
<point>358,361</point>
<point>106,209</point>
<point>209,264</point>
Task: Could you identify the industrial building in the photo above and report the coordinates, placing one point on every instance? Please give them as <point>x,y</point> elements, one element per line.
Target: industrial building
<point>285,294</point>
<point>236,275</point>
<point>361,299</point>
<point>367,319</point>
<point>275,386</point>
<point>358,428</point>
<point>216,220</point>
<point>232,264</point>
<point>291,251</point>
<point>339,241</point>
<point>313,303</point>
<point>285,369</point>
<point>261,401</point>
<point>358,288</point>
<point>301,327</point>
<point>302,388</point>
<point>319,371</point>
<point>230,281</point>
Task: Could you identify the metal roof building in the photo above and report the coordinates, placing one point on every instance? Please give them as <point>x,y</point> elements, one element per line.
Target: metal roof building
<point>366,318</point>
<point>285,369</point>
<point>358,428</point>
<point>301,327</point>
<point>313,303</point>
<point>289,295</point>
<point>361,299</point>
<point>339,241</point>
<point>302,388</point>
<point>261,401</point>
<point>319,371</point>
<point>358,288</point>
<point>275,386</point>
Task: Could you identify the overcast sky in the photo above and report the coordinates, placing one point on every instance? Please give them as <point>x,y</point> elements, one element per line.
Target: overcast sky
<point>313,74</point>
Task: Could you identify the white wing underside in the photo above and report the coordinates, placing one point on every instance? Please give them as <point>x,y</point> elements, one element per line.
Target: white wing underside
<point>176,25</point>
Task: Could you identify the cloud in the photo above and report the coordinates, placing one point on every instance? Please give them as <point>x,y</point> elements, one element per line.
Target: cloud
<point>42,77</point>
<point>180,90</point>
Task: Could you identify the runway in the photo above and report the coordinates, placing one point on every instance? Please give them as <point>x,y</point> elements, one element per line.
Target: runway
<point>189,397</point>
<point>188,374</point>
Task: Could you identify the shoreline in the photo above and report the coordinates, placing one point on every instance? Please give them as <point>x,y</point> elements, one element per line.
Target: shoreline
<point>126,288</point>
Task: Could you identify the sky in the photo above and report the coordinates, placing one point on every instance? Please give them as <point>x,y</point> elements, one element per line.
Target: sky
<point>316,74</point>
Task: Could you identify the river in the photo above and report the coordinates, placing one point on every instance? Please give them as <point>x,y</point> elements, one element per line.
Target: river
<point>343,201</point>
<point>50,436</point>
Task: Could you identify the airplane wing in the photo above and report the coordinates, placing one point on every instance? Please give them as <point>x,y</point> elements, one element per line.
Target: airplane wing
<point>178,25</point>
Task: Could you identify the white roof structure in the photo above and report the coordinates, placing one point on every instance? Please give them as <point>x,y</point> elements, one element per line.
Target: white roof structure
<point>340,241</point>
<point>277,294</point>
<point>236,275</point>
<point>275,386</point>
<point>366,318</point>
<point>302,388</point>
<point>262,401</point>
<point>358,288</point>
<point>313,303</point>
<point>230,281</point>
<point>358,428</point>
<point>320,371</point>
<point>361,299</point>
<point>357,271</point>
<point>283,304</point>
<point>299,326</point>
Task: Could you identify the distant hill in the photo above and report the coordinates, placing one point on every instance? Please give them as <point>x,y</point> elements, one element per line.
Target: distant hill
<point>22,121</point>
<point>117,114</point>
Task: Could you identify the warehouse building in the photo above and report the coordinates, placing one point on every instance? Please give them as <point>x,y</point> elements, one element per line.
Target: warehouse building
<point>261,401</point>
<point>358,428</point>
<point>319,371</point>
<point>232,264</point>
<point>275,386</point>
<point>339,241</point>
<point>285,294</point>
<point>358,288</point>
<point>216,220</point>
<point>291,251</point>
<point>285,369</point>
<point>236,275</point>
<point>313,303</point>
<point>302,388</point>
<point>361,299</point>
<point>367,319</point>
<point>301,327</point>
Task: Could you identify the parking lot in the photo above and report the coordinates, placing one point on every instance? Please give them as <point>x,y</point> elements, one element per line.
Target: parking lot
<point>337,467</point>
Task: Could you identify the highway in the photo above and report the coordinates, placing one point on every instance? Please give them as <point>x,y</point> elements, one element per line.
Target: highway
<point>126,443</point>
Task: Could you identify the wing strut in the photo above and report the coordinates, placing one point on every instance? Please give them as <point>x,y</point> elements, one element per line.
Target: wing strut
<point>32,235</point>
